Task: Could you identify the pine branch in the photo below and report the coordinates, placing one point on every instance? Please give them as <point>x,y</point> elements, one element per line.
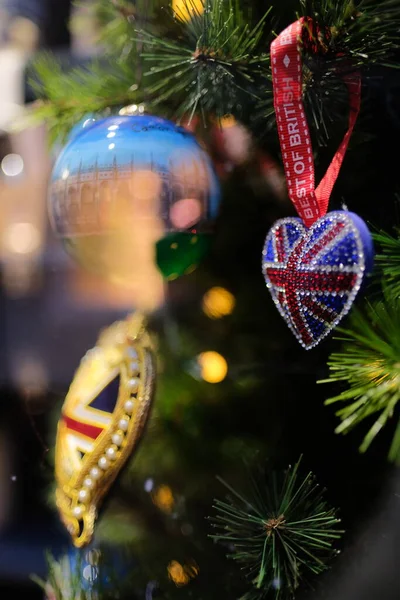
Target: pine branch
<point>217,62</point>
<point>282,532</point>
<point>342,37</point>
<point>115,19</point>
<point>119,18</point>
<point>369,364</point>
<point>353,35</point>
<point>213,64</point>
<point>66,97</point>
<point>69,95</point>
<point>388,261</point>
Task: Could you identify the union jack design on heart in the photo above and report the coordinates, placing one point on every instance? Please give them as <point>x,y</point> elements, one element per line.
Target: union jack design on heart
<point>315,274</point>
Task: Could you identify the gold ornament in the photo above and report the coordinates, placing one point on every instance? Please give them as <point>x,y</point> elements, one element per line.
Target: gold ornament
<point>102,422</point>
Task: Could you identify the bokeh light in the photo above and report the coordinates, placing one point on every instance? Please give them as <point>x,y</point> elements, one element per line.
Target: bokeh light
<point>12,165</point>
<point>22,238</point>
<point>182,574</point>
<point>234,139</point>
<point>218,302</point>
<point>163,498</point>
<point>128,110</point>
<point>228,121</point>
<point>186,8</point>
<point>185,213</point>
<point>32,378</point>
<point>214,367</point>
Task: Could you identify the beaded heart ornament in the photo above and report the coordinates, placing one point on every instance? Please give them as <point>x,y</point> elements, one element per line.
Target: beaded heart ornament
<point>314,266</point>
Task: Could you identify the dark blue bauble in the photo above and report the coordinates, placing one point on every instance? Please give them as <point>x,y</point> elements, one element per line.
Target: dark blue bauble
<point>126,181</point>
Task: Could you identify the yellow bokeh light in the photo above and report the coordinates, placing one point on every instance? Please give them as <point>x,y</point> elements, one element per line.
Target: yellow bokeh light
<point>163,498</point>
<point>228,121</point>
<point>214,367</point>
<point>185,9</point>
<point>182,574</point>
<point>218,302</point>
<point>177,574</point>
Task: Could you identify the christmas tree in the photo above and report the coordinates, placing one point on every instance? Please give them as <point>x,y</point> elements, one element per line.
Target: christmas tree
<point>217,474</point>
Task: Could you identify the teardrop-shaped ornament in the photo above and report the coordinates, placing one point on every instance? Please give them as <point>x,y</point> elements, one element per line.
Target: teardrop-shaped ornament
<point>102,421</point>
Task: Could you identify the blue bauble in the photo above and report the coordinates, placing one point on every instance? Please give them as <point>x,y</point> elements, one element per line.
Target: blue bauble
<point>87,121</point>
<point>132,186</point>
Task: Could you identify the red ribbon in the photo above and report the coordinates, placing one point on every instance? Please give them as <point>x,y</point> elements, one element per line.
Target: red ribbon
<point>294,134</point>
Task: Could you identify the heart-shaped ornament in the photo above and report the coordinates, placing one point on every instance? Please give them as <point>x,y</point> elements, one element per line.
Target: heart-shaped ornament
<point>315,274</point>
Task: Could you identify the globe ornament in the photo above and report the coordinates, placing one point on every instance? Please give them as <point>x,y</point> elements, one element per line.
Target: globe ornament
<point>130,193</point>
<point>87,121</point>
<point>102,422</point>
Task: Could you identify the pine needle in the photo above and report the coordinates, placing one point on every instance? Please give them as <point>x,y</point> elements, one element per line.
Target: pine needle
<point>217,62</point>
<point>213,63</point>
<point>66,97</point>
<point>281,533</point>
<point>388,260</point>
<point>342,38</point>
<point>369,363</point>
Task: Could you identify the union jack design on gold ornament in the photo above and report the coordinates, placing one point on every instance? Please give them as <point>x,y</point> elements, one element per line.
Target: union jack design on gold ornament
<point>102,422</point>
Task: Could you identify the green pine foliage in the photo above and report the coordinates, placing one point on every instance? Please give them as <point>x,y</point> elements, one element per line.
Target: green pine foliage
<point>115,19</point>
<point>66,97</point>
<point>118,19</point>
<point>365,32</point>
<point>342,38</point>
<point>368,363</point>
<point>388,260</point>
<point>280,534</point>
<point>215,63</point>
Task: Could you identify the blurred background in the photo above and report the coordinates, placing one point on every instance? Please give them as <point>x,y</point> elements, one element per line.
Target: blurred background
<point>44,296</point>
<point>52,311</point>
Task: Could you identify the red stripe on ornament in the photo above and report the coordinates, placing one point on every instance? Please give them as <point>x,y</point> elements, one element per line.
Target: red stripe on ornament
<point>280,243</point>
<point>90,431</point>
<point>318,310</point>
<point>297,317</point>
<point>311,281</point>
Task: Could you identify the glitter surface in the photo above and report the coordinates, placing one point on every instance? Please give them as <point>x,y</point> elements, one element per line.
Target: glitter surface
<point>315,274</point>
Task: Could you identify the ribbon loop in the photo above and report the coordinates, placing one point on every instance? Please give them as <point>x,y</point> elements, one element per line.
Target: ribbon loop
<point>294,134</point>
